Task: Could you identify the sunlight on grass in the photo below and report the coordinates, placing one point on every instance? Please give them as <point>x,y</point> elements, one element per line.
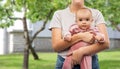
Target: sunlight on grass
<point>47,61</point>
<point>107,59</point>
<point>15,61</point>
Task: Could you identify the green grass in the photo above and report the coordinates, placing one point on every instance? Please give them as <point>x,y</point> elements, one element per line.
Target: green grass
<point>15,61</point>
<point>107,59</point>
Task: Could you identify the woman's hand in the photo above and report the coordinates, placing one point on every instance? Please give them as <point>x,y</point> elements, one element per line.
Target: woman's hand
<point>87,36</point>
<point>77,56</point>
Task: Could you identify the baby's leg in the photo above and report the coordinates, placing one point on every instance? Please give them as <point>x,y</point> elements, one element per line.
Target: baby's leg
<point>86,62</point>
<point>67,63</point>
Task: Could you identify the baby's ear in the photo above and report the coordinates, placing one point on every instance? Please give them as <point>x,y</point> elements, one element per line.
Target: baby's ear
<point>92,20</point>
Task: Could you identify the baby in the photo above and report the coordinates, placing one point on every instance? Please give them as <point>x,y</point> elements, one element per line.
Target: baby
<point>83,24</point>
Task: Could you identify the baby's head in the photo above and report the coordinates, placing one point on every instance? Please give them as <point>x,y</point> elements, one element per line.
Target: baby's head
<point>84,18</point>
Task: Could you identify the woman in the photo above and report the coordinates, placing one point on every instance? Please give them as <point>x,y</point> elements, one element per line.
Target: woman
<point>60,23</point>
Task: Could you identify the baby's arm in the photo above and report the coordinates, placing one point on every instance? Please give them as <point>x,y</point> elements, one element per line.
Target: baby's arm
<point>72,30</point>
<point>100,38</point>
<point>67,37</point>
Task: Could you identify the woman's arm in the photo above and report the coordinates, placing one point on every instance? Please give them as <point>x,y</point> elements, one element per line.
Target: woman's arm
<point>92,49</point>
<point>60,44</point>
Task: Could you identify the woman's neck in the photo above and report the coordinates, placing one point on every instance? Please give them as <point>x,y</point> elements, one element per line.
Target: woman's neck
<point>74,8</point>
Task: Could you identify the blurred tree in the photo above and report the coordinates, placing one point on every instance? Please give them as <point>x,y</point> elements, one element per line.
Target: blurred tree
<point>34,10</point>
<point>110,10</point>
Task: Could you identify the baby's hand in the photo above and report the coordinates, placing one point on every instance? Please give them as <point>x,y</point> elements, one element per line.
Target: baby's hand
<point>100,38</point>
<point>87,37</point>
<point>67,37</point>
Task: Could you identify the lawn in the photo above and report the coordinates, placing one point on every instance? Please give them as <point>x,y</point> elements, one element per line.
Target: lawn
<point>107,59</point>
<point>15,61</point>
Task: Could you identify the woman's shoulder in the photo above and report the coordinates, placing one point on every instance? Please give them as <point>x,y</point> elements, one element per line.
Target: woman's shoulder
<point>95,11</point>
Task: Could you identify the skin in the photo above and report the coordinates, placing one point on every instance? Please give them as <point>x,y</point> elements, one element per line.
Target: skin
<point>84,19</point>
<point>59,44</point>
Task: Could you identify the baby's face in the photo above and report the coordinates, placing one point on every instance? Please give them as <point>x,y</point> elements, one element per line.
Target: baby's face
<point>84,21</point>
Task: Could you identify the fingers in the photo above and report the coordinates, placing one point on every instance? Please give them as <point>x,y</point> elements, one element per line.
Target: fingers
<point>88,37</point>
<point>72,64</point>
<point>92,40</point>
<point>92,32</point>
<point>67,37</point>
<point>75,62</point>
<point>75,58</point>
<point>70,53</point>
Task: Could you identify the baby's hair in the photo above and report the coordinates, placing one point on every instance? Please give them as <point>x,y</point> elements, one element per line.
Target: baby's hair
<point>79,10</point>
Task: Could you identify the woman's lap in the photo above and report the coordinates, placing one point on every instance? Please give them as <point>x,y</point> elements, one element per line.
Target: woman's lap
<point>60,60</point>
